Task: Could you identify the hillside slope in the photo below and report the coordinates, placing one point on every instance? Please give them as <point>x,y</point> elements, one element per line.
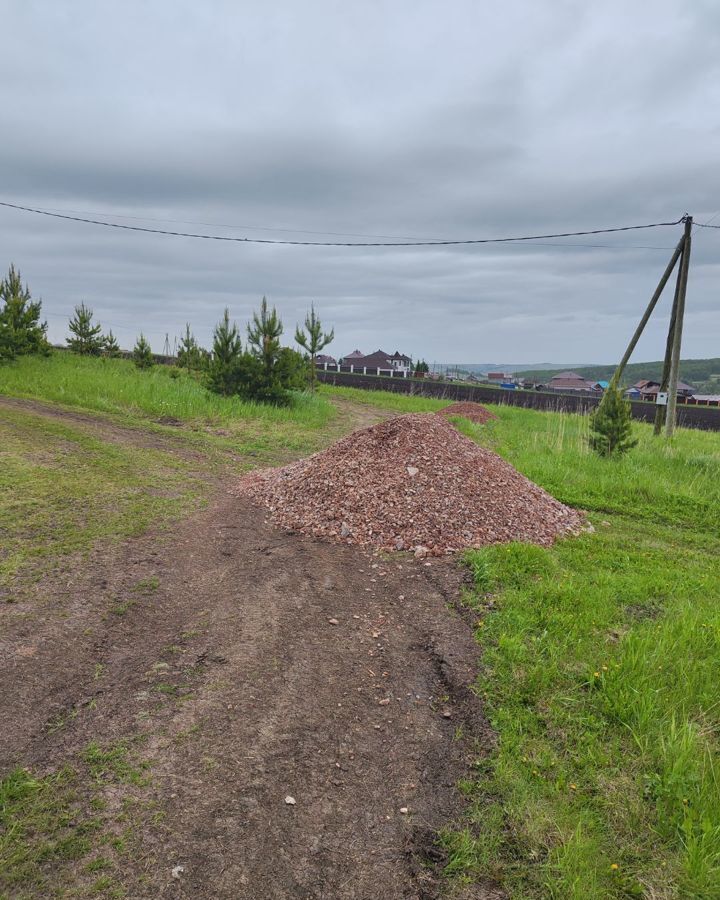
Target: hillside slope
<point>703,374</point>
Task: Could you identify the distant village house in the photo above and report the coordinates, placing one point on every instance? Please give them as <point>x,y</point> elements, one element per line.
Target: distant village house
<point>648,390</point>
<point>568,382</point>
<point>377,363</point>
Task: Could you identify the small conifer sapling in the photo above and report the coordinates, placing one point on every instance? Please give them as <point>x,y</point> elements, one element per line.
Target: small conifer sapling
<point>222,374</point>
<point>313,340</point>
<point>142,353</point>
<point>21,331</point>
<point>86,337</point>
<point>611,424</point>
<point>111,347</point>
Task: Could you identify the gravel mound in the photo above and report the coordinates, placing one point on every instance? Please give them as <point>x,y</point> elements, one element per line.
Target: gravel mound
<point>412,482</point>
<point>475,412</point>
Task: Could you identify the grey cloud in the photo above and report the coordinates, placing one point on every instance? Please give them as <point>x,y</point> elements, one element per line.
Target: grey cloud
<point>393,119</point>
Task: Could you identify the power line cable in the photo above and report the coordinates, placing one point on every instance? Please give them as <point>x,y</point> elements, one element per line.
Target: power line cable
<point>246,240</point>
<point>706,225</point>
<point>114,215</point>
<point>394,237</point>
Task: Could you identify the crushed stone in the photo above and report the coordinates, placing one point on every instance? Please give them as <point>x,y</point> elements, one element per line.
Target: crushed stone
<point>475,412</point>
<point>460,495</point>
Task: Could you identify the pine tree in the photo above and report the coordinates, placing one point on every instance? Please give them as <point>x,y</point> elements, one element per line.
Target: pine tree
<point>314,340</point>
<point>223,369</point>
<point>88,338</point>
<point>111,347</point>
<point>264,337</point>
<point>142,353</point>
<point>21,331</point>
<point>189,355</point>
<point>422,368</point>
<point>611,424</point>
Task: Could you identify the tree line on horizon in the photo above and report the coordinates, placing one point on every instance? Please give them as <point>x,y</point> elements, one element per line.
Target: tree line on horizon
<point>264,371</point>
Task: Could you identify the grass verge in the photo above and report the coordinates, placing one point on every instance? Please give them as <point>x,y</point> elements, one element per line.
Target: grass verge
<point>401,403</point>
<point>117,386</point>
<point>600,675</point>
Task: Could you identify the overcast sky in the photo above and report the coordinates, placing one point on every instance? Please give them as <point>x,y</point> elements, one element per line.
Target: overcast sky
<point>401,119</point>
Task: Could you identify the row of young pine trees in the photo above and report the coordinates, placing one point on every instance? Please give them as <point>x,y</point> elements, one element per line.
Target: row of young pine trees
<point>264,371</point>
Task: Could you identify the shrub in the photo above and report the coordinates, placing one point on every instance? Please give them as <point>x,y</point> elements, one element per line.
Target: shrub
<point>265,372</point>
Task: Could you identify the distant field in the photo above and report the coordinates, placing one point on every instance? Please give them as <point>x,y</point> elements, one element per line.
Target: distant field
<point>703,373</point>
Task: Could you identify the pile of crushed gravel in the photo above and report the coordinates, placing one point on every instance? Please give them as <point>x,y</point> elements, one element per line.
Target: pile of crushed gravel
<point>475,412</point>
<point>412,482</point>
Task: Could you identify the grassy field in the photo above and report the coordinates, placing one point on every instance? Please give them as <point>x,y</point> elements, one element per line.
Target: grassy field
<point>600,674</point>
<point>400,403</point>
<point>119,387</point>
<point>601,655</point>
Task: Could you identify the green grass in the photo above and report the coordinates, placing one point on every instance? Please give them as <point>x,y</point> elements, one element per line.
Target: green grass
<point>38,830</point>
<point>600,675</point>
<point>117,386</point>
<point>401,403</point>
<point>62,489</point>
<point>53,827</point>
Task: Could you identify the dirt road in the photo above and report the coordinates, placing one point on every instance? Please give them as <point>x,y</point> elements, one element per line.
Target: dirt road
<point>248,666</point>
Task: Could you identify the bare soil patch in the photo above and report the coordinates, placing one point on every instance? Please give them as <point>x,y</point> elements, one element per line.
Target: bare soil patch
<point>255,665</point>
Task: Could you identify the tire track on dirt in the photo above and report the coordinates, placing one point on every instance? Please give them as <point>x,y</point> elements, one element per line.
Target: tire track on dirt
<point>257,664</point>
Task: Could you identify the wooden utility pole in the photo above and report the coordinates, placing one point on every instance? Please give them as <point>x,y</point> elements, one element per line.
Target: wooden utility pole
<point>677,330</point>
<point>648,312</point>
<point>660,411</point>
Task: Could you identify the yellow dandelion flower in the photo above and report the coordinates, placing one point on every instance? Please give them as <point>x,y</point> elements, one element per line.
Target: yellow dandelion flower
<point>614,867</point>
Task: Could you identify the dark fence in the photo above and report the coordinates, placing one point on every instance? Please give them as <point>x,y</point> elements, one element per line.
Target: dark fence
<point>707,418</point>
